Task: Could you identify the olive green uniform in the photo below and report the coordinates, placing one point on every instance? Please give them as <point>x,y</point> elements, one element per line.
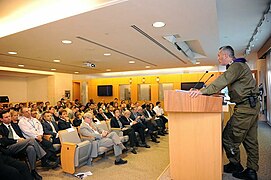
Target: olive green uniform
<point>242,126</point>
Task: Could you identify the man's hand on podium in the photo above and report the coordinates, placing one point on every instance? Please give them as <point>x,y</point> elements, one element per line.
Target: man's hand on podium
<point>194,93</point>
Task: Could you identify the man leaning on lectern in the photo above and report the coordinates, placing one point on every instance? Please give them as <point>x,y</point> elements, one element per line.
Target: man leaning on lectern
<point>243,124</point>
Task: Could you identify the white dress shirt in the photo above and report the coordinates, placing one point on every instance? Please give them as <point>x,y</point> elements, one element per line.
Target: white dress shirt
<point>31,127</point>
<point>15,135</point>
<point>158,111</point>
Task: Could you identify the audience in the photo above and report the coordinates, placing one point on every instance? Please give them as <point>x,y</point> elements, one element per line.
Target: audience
<point>105,138</point>
<point>22,130</point>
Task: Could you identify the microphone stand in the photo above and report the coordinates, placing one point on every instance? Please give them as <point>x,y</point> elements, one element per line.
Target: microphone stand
<point>204,85</point>
<point>199,80</point>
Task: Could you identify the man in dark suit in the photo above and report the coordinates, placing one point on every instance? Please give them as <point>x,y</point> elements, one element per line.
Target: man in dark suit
<point>101,115</point>
<point>50,127</point>
<point>137,127</point>
<point>116,123</point>
<point>64,121</point>
<point>12,169</point>
<point>13,143</point>
<point>147,121</point>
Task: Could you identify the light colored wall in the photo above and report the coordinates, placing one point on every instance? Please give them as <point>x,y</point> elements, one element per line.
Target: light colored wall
<point>62,82</point>
<point>37,88</point>
<point>14,87</point>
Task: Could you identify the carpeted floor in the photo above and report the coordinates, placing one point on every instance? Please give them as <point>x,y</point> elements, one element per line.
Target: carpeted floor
<point>148,164</point>
<point>264,173</point>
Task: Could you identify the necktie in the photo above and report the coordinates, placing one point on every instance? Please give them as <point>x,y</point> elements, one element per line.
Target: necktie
<point>120,124</point>
<point>10,134</point>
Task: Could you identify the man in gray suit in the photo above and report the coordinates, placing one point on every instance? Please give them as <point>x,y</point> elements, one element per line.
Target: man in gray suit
<point>104,138</point>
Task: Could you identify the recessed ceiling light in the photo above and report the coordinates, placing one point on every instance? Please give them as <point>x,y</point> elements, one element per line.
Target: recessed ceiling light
<point>66,41</point>
<point>56,60</point>
<point>158,24</point>
<point>12,52</point>
<point>131,62</point>
<point>107,54</point>
<point>21,65</point>
<point>147,67</point>
<point>108,69</point>
<point>76,72</point>
<point>53,69</point>
<point>197,62</point>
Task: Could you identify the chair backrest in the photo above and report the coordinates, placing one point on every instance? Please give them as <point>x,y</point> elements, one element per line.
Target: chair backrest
<point>69,135</point>
<point>103,126</point>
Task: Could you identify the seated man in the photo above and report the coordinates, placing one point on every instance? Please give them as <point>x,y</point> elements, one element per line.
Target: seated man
<point>64,121</point>
<point>13,143</point>
<point>32,128</point>
<point>160,113</point>
<point>116,123</point>
<point>78,119</point>
<point>101,115</point>
<point>137,127</point>
<point>104,138</point>
<point>11,169</point>
<point>50,127</point>
<point>147,121</point>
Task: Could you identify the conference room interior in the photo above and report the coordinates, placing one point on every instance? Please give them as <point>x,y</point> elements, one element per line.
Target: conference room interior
<point>132,50</point>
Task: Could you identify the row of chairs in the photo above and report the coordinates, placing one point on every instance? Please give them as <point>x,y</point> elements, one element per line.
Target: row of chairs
<point>76,150</point>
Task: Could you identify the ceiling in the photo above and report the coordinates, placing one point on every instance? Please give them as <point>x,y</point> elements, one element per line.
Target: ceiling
<point>125,30</point>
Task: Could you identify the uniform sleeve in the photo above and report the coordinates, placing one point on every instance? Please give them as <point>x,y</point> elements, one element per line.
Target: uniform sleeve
<point>228,77</point>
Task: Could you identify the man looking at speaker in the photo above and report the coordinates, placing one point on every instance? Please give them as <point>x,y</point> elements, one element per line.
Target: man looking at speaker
<point>242,126</point>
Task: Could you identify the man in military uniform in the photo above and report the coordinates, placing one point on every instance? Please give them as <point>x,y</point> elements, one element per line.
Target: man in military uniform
<point>242,126</point>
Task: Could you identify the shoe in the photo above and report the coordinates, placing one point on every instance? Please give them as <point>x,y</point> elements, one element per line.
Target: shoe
<point>134,151</point>
<point>49,164</point>
<point>233,168</point>
<point>121,161</point>
<point>155,140</point>
<point>147,146</point>
<point>35,175</point>
<point>248,174</point>
<point>161,133</point>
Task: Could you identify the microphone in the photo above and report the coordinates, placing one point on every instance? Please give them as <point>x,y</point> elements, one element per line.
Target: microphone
<point>204,85</point>
<point>199,80</point>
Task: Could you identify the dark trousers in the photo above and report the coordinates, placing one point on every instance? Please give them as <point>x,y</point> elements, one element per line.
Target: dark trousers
<point>132,136</point>
<point>12,169</point>
<point>140,128</point>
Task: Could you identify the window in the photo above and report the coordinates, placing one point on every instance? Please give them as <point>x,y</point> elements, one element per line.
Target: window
<point>162,88</point>
<point>125,91</point>
<point>144,92</point>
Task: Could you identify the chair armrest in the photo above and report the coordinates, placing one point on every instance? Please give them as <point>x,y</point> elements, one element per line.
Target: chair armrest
<point>82,144</point>
<point>48,137</point>
<point>116,129</point>
<point>90,138</point>
<point>67,157</point>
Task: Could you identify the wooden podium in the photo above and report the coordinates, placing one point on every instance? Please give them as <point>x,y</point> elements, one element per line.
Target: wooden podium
<point>194,136</point>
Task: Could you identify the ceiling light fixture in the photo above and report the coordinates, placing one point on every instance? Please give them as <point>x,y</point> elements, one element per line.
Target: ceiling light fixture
<point>53,69</point>
<point>56,60</point>
<point>108,70</point>
<point>12,52</point>
<point>131,62</point>
<point>158,24</point>
<point>21,65</point>
<point>107,54</point>
<point>257,30</point>
<point>147,67</point>
<point>76,72</point>
<point>66,41</point>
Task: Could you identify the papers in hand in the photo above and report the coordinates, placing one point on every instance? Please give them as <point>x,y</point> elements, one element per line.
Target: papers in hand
<point>83,174</point>
<point>184,91</point>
